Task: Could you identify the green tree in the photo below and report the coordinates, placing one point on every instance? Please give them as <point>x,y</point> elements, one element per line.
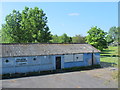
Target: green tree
<point>119,35</point>
<point>26,27</point>
<point>65,38</point>
<point>78,39</point>
<point>113,33</point>
<point>96,37</point>
<point>55,39</point>
<point>109,39</point>
<point>11,31</point>
<point>61,39</point>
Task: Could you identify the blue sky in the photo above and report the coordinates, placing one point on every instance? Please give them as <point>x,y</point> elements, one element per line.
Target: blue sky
<point>71,17</point>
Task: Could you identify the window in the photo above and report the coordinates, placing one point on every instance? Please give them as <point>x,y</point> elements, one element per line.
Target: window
<point>68,58</point>
<point>45,60</point>
<point>78,57</point>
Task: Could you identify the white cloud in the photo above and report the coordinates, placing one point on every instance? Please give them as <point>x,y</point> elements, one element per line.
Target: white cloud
<point>73,14</point>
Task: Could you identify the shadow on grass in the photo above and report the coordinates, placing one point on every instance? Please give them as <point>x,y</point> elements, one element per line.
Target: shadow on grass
<point>106,64</point>
<point>106,51</point>
<point>109,55</point>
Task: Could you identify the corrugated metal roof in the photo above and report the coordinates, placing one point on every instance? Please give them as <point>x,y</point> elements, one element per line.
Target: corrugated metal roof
<point>12,50</point>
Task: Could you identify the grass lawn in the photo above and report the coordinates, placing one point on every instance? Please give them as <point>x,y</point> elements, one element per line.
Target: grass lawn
<point>109,56</point>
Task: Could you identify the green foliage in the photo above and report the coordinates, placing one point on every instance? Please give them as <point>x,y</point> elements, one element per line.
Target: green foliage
<point>113,32</point>
<point>110,56</point>
<point>26,27</point>
<point>61,39</point>
<point>113,35</point>
<point>118,34</point>
<point>65,39</point>
<point>55,39</point>
<point>96,37</point>
<point>11,30</point>
<point>109,39</point>
<point>78,39</point>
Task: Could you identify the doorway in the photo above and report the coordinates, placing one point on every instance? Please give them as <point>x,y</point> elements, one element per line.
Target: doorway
<point>93,59</point>
<point>58,62</point>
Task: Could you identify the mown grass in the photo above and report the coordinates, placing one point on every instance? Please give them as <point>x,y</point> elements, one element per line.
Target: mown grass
<point>110,56</point>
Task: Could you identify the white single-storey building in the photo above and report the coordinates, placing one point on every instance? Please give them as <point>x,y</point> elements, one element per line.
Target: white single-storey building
<point>22,58</point>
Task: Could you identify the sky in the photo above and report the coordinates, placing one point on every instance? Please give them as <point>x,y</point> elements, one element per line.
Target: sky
<point>72,18</point>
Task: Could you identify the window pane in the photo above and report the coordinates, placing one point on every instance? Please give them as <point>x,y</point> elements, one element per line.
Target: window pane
<point>78,57</point>
<point>68,58</point>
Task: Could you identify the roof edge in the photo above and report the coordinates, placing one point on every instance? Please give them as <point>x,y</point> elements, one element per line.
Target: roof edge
<point>46,55</point>
<point>36,43</point>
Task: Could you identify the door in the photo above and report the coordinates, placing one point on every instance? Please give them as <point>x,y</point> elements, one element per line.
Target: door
<point>92,59</point>
<point>58,62</point>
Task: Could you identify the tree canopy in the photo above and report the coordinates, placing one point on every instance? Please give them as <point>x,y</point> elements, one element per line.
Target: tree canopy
<point>64,38</point>
<point>26,27</point>
<point>96,37</point>
<point>113,35</point>
<point>78,39</point>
